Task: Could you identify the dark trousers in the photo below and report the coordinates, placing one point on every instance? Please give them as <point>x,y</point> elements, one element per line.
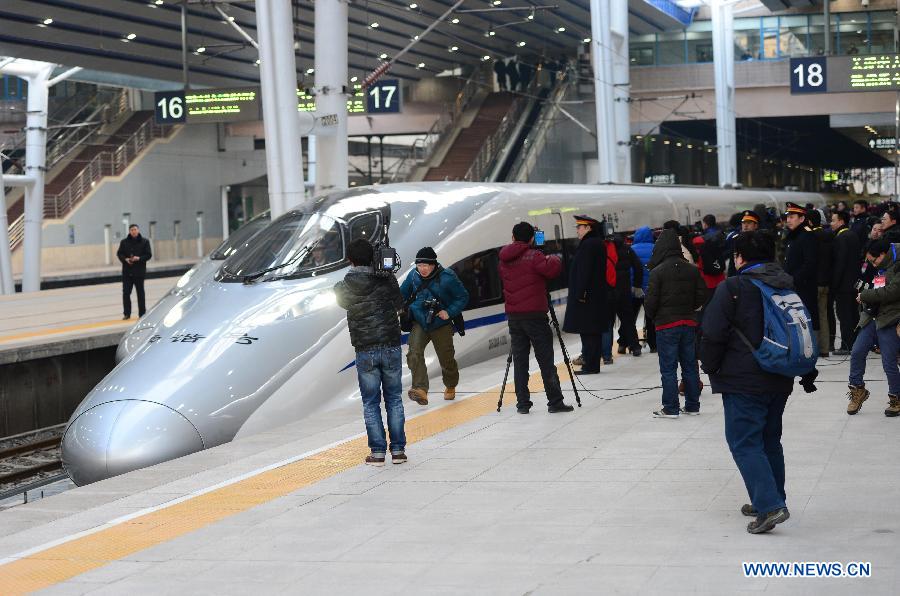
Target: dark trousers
<point>137,283</point>
<point>753,432</point>
<point>590,351</point>
<point>524,334</point>
<point>848,315</point>
<point>626,312</point>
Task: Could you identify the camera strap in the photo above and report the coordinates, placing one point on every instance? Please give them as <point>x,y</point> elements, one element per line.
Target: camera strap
<point>412,297</point>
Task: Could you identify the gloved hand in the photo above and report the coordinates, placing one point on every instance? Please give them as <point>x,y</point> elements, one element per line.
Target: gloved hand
<point>807,381</point>
<point>637,293</point>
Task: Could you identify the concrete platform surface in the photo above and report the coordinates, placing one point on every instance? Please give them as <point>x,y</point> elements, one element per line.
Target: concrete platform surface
<point>602,500</point>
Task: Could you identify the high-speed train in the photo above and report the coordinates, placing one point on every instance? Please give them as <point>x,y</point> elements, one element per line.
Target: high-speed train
<point>205,269</point>
<point>263,343</point>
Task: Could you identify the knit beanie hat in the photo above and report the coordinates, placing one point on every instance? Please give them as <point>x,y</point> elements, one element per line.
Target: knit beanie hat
<point>426,255</point>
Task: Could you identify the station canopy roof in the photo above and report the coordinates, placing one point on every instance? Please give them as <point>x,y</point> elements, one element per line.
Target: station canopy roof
<point>138,42</point>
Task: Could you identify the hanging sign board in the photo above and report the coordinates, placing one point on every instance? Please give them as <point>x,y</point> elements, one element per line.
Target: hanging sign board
<point>843,74</point>
<point>233,104</point>
<point>383,97</point>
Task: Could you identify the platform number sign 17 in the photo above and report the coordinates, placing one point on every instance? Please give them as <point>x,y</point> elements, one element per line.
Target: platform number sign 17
<point>383,97</point>
<point>169,107</point>
<point>809,75</point>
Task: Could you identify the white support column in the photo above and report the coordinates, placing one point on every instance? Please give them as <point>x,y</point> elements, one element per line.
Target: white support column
<point>199,234</point>
<point>331,77</point>
<point>107,244</point>
<point>604,96</point>
<point>723,65</point>
<point>6,279</point>
<point>225,222</point>
<point>621,92</point>
<point>35,167</point>
<point>278,77</point>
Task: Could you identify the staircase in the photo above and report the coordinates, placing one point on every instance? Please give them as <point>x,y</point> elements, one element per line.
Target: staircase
<point>76,180</point>
<point>470,141</point>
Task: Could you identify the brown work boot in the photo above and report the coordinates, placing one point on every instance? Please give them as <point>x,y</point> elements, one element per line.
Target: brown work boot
<point>857,396</point>
<point>449,393</point>
<point>893,408</point>
<point>420,396</point>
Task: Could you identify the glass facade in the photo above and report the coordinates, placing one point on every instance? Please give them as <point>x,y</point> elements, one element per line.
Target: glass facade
<point>770,38</point>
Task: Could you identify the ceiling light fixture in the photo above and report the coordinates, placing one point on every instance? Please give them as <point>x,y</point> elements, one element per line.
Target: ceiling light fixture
<point>374,25</point>
<point>453,48</point>
<point>414,6</point>
<point>560,29</point>
<point>257,62</point>
<point>586,40</point>
<point>420,65</point>
<point>354,79</point>
<point>201,49</point>
<point>310,70</point>
<point>455,21</point>
<point>497,2</point>
<point>492,33</point>
<point>485,57</point>
<point>530,17</point>
<point>383,56</point>
<point>159,2</point>
<point>48,21</point>
<point>521,44</point>
<point>130,36</point>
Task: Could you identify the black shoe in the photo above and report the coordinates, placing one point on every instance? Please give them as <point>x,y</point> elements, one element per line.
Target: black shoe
<point>609,361</point>
<point>560,408</point>
<point>621,350</point>
<point>522,410</point>
<point>653,350</point>
<point>841,352</point>
<point>126,317</point>
<point>636,352</point>
<point>766,523</point>
<point>578,373</point>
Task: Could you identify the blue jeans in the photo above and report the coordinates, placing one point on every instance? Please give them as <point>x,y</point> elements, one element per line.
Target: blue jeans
<point>753,432</point>
<point>888,342</point>
<point>674,346</point>
<point>378,370</point>
<point>606,341</point>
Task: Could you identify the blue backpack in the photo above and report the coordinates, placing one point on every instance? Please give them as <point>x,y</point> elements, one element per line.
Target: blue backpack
<point>788,346</point>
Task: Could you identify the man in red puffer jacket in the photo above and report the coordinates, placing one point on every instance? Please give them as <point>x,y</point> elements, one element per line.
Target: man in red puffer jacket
<point>525,272</point>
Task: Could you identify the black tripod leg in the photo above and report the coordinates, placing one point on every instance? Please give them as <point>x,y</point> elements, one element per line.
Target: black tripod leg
<point>505,377</point>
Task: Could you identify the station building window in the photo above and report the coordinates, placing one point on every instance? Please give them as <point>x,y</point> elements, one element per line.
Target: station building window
<point>853,33</point>
<point>642,50</point>
<point>881,32</point>
<point>699,42</point>
<point>671,48</point>
<point>794,36</point>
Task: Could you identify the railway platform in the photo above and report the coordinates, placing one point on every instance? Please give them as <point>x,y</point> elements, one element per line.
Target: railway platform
<point>604,500</point>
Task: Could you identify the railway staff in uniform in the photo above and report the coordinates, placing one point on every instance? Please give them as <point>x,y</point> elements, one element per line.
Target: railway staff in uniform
<point>587,311</point>
<point>437,296</point>
<point>800,260</point>
<point>134,252</point>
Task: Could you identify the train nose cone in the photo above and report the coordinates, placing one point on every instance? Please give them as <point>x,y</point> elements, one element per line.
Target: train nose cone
<point>120,436</point>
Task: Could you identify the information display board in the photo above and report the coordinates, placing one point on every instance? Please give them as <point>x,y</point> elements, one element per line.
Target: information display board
<point>383,97</point>
<point>355,104</point>
<point>843,74</point>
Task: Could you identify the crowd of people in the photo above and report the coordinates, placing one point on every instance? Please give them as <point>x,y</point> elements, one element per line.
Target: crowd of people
<point>752,303</point>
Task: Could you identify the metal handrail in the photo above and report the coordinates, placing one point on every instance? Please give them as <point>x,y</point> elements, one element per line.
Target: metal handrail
<point>535,141</point>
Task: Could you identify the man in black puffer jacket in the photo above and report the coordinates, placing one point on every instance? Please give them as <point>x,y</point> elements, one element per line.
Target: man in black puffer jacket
<point>674,295</point>
<point>372,304</point>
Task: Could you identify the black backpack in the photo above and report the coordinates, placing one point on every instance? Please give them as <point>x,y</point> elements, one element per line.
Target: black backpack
<point>712,254</point>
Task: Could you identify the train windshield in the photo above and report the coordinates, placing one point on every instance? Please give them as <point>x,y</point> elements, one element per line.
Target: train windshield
<point>238,239</point>
<point>293,245</point>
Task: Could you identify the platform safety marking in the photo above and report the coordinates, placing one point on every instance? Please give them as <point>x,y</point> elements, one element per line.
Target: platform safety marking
<point>68,329</point>
<point>87,551</point>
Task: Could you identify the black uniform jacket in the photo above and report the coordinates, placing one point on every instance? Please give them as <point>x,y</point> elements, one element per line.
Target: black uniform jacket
<point>588,310</point>
<point>845,262</point>
<point>801,263</point>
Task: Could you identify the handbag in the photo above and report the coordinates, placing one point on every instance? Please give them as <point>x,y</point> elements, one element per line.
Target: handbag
<point>406,316</point>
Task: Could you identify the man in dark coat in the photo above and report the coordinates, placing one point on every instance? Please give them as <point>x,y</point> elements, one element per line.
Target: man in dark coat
<point>801,259</point>
<point>890,230</point>
<point>512,72</point>
<point>372,304</point>
<point>587,310</point>
<point>525,272</point>
<point>500,71</point>
<point>134,252</point>
<point>845,269</point>
<point>675,294</point>
<point>629,283</point>
<point>824,240</point>
<point>860,224</point>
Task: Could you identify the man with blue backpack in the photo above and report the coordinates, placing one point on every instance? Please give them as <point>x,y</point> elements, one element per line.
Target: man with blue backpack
<point>758,336</point>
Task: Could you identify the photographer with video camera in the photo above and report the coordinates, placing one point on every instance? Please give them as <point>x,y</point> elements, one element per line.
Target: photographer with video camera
<point>435,296</point>
<point>880,302</point>
<point>372,302</point>
<point>525,272</point>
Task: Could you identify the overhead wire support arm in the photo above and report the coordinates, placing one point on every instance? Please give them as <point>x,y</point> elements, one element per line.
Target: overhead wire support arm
<point>230,20</point>
<point>385,66</point>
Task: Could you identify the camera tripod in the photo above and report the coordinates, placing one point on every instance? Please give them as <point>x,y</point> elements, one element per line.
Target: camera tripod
<point>555,322</point>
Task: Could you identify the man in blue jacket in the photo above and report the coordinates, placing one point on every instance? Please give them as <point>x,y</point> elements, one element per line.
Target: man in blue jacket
<point>436,296</point>
<point>643,248</point>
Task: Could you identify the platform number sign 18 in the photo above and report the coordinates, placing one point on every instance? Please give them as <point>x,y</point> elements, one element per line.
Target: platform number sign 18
<point>383,97</point>
<point>809,75</point>
<point>170,107</point>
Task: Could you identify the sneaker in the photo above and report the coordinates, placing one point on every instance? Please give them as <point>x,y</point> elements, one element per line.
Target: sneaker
<point>663,413</point>
<point>856,395</point>
<point>687,412</point>
<point>560,408</point>
<point>893,408</point>
<point>420,396</point>
<point>578,361</point>
<point>841,352</point>
<point>748,510</point>
<point>398,458</point>
<point>375,460</point>
<point>766,523</point>
<point>450,393</point>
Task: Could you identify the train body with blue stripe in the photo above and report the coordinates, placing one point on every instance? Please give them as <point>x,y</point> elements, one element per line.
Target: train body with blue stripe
<point>256,340</point>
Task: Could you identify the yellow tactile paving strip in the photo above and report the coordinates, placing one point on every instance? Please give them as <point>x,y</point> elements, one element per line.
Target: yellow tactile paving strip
<point>59,563</point>
<point>67,329</point>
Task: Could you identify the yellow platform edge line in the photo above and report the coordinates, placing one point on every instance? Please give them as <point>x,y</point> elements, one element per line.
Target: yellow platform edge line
<point>67,329</point>
<point>59,563</point>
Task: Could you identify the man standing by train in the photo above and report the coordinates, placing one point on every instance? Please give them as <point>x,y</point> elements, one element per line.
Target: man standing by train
<point>800,260</point>
<point>435,297</point>
<point>134,252</point>
<point>588,311</point>
<point>525,272</point>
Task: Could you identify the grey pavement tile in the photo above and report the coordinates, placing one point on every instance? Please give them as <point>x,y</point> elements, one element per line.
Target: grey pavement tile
<point>598,578</point>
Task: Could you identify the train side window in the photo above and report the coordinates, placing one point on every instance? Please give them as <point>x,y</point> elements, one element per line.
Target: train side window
<point>480,275</point>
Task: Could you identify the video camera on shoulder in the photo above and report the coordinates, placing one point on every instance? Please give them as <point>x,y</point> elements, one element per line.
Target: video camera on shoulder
<point>385,261</point>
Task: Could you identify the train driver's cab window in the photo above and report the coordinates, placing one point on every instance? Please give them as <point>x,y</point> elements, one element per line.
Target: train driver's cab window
<point>480,275</point>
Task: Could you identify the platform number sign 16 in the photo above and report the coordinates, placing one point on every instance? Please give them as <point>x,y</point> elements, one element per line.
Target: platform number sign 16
<point>170,108</point>
<point>809,75</point>
<point>383,97</point>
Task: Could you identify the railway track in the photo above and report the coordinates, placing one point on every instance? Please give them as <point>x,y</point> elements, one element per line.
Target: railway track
<point>30,457</point>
